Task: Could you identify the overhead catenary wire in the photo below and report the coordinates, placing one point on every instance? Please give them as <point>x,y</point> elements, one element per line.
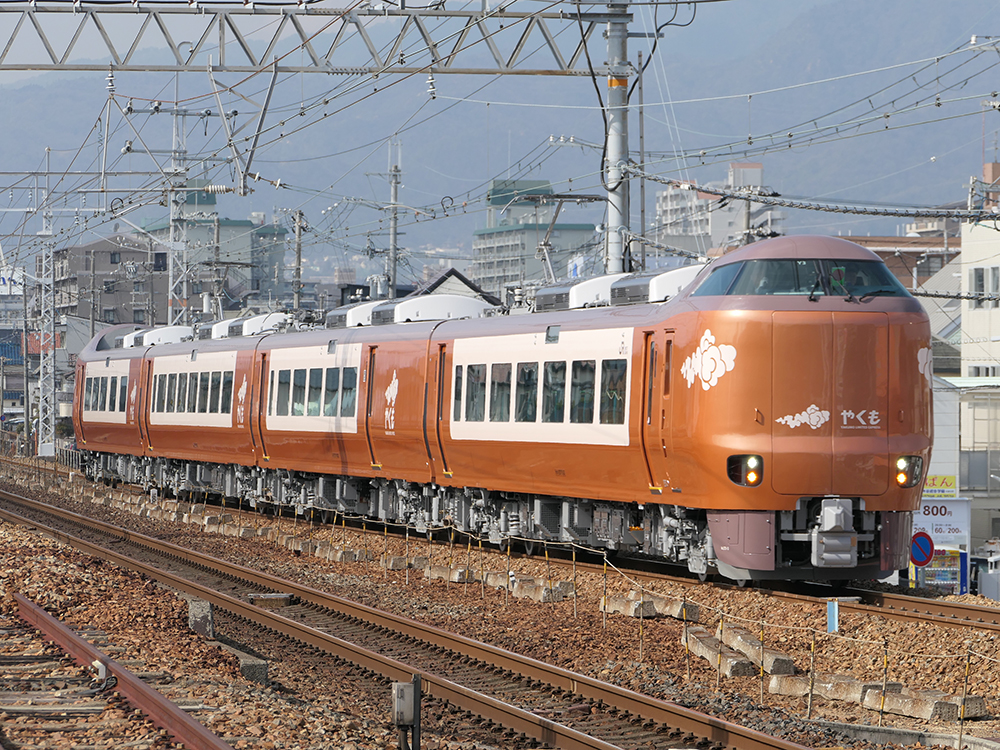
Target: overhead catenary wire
<point>598,173</point>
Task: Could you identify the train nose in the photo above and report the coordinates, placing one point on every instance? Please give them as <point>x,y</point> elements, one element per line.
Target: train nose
<point>829,387</point>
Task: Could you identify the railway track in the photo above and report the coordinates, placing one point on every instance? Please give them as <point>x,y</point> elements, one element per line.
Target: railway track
<point>549,704</point>
<point>43,696</point>
<point>852,599</point>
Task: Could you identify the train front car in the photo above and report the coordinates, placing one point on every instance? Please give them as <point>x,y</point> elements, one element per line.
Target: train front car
<point>798,417</point>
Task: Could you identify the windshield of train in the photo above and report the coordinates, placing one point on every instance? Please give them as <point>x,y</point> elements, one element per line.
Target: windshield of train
<point>852,279</point>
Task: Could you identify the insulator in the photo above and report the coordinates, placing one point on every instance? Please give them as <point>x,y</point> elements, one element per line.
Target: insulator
<point>217,189</point>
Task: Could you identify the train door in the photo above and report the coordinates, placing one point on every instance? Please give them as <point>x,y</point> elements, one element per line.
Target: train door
<point>78,402</point>
<point>369,404</point>
<point>656,406</point>
<point>662,413</point>
<point>442,380</point>
<point>434,377</point>
<point>144,401</point>
<point>259,400</point>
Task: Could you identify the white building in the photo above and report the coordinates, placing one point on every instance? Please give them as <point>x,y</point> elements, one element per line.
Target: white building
<point>978,384</point>
<point>507,251</point>
<point>698,222</point>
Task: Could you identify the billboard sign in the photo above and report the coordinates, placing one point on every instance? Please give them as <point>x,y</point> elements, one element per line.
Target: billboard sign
<point>946,521</point>
<point>941,486</point>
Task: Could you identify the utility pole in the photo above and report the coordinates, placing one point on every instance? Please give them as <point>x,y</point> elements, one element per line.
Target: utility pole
<point>394,175</point>
<point>93,290</point>
<point>178,272</point>
<point>47,330</point>
<point>3,386</point>
<point>617,138</point>
<point>297,283</point>
<point>747,224</point>
<point>642,180</point>
<point>217,271</point>
<point>47,356</point>
<point>27,371</point>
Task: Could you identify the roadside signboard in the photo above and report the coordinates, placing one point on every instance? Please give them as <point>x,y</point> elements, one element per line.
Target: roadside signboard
<point>942,538</point>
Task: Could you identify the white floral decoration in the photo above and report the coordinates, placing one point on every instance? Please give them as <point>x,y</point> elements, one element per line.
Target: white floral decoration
<point>813,416</point>
<point>925,361</point>
<point>709,362</point>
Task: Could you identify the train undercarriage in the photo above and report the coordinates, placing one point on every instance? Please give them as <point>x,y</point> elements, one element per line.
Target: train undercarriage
<point>824,538</point>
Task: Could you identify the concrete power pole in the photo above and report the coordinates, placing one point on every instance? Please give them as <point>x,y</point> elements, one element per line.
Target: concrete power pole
<point>642,162</point>
<point>297,283</point>
<point>217,279</point>
<point>617,138</point>
<point>93,290</point>
<point>394,175</point>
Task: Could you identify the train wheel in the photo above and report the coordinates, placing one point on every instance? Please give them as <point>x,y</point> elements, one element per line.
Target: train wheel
<point>529,547</point>
<point>703,576</point>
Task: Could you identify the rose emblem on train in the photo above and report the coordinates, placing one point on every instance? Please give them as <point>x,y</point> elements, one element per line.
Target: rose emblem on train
<point>709,362</point>
<point>813,416</point>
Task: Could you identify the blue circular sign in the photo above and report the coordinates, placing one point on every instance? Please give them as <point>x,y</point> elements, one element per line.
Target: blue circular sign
<point>921,549</point>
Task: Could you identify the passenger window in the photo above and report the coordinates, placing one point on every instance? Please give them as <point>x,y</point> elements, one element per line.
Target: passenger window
<point>123,394</point>
<point>500,393</point>
<point>299,393</point>
<point>526,397</point>
<point>213,401</point>
<point>349,392</point>
<point>581,395</point>
<point>161,392</point>
<point>270,396</point>
<point>458,393</point>
<point>554,392</point>
<point>315,391</point>
<point>88,395</point>
<point>227,393</point>
<point>113,394</point>
<point>203,380</point>
<point>284,391</point>
<point>104,393</point>
<point>332,391</point>
<point>171,390</point>
<point>182,383</point>
<point>475,393</point>
<point>192,393</point>
<point>613,391</point>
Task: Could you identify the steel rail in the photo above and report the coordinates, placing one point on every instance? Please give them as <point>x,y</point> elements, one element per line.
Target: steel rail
<point>945,613</point>
<point>718,731</point>
<point>162,712</point>
<point>892,606</point>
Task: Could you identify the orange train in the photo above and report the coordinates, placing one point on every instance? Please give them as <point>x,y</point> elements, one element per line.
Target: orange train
<point>771,419</point>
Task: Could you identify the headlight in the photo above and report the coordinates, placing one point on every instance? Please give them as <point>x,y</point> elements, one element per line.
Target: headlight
<point>746,470</point>
<point>909,470</point>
